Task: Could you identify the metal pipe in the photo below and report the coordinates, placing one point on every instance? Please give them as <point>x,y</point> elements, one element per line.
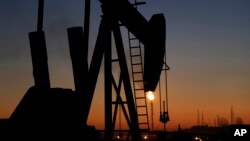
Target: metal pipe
<point>39,59</point>
<point>78,44</point>
<point>40,15</point>
<point>78,53</point>
<point>86,24</point>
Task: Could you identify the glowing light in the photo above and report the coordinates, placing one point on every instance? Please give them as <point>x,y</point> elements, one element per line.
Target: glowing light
<point>150,95</point>
<point>197,138</point>
<point>145,137</point>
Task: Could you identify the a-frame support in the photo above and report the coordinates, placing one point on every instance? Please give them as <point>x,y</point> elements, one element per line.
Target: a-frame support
<point>110,116</point>
<point>103,47</point>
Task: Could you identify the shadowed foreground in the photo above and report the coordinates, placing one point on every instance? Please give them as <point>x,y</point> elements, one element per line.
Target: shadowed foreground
<point>46,115</point>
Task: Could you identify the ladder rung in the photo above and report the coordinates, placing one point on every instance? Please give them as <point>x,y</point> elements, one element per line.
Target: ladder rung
<point>114,60</point>
<point>135,55</point>
<point>143,97</point>
<point>137,72</point>
<point>142,114</point>
<point>136,63</point>
<point>135,47</point>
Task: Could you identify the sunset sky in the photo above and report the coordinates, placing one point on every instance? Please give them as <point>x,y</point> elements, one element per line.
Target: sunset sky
<point>207,47</point>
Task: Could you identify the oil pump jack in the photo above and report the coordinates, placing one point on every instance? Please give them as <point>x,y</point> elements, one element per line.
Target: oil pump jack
<point>44,109</point>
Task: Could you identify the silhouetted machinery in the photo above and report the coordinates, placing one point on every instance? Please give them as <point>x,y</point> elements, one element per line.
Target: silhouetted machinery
<point>58,113</point>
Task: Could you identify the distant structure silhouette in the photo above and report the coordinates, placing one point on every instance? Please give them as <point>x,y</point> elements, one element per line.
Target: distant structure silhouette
<point>198,117</point>
<point>239,121</point>
<point>232,115</point>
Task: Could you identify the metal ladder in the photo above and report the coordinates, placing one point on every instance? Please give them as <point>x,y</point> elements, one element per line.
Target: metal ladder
<point>137,78</point>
